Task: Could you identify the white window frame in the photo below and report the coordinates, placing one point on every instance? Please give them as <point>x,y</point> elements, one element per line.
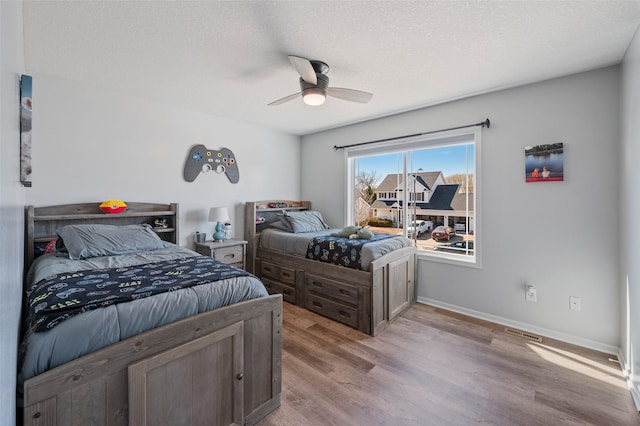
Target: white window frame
<point>434,140</point>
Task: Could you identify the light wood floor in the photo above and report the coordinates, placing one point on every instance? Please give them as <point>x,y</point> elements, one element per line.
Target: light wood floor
<point>432,367</point>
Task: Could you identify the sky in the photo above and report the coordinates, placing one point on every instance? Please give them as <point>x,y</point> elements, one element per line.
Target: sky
<point>449,160</point>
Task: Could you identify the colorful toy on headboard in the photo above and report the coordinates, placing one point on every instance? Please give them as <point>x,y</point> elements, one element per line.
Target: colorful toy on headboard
<point>202,159</point>
<point>113,206</point>
<point>277,205</point>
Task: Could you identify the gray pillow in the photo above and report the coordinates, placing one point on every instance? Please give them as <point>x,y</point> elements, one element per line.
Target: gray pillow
<point>306,221</point>
<point>281,225</point>
<point>83,241</point>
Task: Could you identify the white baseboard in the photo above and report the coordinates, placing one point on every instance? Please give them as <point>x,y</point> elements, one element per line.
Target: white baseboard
<point>552,334</point>
<point>633,388</point>
<point>635,395</point>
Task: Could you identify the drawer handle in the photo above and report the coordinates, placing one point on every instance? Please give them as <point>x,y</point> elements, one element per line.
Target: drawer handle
<point>230,256</point>
<point>240,376</point>
<point>286,274</point>
<point>345,314</point>
<point>345,292</point>
<point>316,283</point>
<point>266,268</point>
<point>318,304</point>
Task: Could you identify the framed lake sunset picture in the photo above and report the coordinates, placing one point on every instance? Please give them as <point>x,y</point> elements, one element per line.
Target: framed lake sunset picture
<point>544,163</point>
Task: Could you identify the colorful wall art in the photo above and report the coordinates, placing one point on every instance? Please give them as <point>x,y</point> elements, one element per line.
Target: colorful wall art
<point>26,105</point>
<point>544,163</point>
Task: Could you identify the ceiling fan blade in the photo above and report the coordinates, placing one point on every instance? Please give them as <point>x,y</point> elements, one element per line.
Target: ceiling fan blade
<point>285,99</point>
<point>304,68</point>
<point>351,95</point>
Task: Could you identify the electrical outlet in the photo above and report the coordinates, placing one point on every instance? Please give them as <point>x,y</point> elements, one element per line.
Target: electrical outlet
<point>530,293</point>
<point>574,303</point>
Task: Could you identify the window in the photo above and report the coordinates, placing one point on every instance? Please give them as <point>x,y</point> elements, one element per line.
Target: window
<point>424,188</point>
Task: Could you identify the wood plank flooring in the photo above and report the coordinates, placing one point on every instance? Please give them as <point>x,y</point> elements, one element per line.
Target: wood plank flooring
<point>434,367</point>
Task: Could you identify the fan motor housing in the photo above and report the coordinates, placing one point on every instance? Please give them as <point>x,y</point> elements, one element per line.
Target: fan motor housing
<point>319,67</point>
<point>323,83</point>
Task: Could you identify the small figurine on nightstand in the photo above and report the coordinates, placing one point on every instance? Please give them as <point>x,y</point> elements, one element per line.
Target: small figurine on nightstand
<point>227,231</point>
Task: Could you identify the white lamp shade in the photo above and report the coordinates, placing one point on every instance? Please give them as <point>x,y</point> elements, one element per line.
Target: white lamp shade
<point>218,214</point>
<point>313,96</point>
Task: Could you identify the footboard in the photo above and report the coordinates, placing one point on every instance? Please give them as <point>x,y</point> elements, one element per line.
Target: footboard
<point>393,287</point>
<point>368,301</point>
<point>219,367</point>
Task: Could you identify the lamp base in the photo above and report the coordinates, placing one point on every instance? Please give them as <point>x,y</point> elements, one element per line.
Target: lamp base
<point>219,234</point>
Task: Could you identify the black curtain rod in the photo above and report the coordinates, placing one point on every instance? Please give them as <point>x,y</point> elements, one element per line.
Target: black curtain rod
<point>486,123</point>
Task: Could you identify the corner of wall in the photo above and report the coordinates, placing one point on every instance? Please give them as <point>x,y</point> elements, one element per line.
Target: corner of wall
<point>12,199</point>
<point>629,228</point>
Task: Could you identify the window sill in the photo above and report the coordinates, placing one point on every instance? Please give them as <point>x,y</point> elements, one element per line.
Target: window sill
<point>452,259</point>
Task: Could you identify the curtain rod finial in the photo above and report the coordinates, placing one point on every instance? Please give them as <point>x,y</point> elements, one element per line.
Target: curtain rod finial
<point>486,123</point>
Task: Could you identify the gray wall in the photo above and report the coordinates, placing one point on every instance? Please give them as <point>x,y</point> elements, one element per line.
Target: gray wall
<point>560,237</point>
<point>94,145</point>
<point>11,203</point>
<point>629,225</point>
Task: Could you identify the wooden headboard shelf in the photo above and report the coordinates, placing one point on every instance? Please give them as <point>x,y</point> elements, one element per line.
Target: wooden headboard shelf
<point>253,227</point>
<point>42,222</point>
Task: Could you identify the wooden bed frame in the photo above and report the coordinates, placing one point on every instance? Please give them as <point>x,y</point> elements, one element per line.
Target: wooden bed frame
<point>368,301</point>
<point>219,367</point>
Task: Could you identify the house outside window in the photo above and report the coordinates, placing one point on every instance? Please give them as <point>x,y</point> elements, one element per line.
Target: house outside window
<point>421,184</point>
<point>416,196</point>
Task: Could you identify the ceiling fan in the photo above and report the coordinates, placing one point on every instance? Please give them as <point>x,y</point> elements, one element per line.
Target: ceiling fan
<point>314,84</point>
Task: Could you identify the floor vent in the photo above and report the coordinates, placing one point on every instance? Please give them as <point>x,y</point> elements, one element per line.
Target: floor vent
<point>524,334</point>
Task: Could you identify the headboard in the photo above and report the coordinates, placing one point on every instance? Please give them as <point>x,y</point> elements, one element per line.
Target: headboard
<point>41,223</point>
<point>266,210</point>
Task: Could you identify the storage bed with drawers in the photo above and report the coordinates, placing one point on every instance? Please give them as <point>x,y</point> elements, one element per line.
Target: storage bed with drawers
<point>367,298</point>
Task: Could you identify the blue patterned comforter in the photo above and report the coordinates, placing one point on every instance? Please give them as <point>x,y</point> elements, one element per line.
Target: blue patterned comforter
<point>94,329</point>
<point>340,251</point>
<point>63,296</point>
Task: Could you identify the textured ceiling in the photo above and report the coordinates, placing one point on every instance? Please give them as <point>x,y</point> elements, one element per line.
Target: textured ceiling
<point>229,58</point>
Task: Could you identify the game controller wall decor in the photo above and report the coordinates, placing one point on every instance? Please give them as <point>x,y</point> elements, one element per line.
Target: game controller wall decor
<point>203,160</point>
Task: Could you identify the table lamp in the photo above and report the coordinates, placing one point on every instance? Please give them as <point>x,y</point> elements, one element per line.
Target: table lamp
<point>220,215</point>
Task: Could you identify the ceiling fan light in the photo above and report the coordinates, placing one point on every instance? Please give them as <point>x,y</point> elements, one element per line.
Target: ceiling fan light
<point>313,96</point>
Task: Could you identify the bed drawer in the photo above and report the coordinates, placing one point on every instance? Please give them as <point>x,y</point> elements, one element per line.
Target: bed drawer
<point>276,272</point>
<point>273,287</point>
<point>334,310</point>
<point>331,288</point>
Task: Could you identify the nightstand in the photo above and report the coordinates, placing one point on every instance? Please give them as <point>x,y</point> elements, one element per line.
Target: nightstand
<point>231,252</point>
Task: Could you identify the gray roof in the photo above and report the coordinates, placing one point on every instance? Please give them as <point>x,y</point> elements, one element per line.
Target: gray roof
<point>393,180</point>
<point>441,198</point>
<point>445,197</point>
<point>460,199</point>
<point>384,204</point>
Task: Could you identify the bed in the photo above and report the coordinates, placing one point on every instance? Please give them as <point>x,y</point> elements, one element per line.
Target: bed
<point>367,297</point>
<point>208,351</point>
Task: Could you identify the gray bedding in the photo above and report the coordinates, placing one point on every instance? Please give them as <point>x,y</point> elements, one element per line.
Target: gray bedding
<point>296,244</point>
<point>99,328</point>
